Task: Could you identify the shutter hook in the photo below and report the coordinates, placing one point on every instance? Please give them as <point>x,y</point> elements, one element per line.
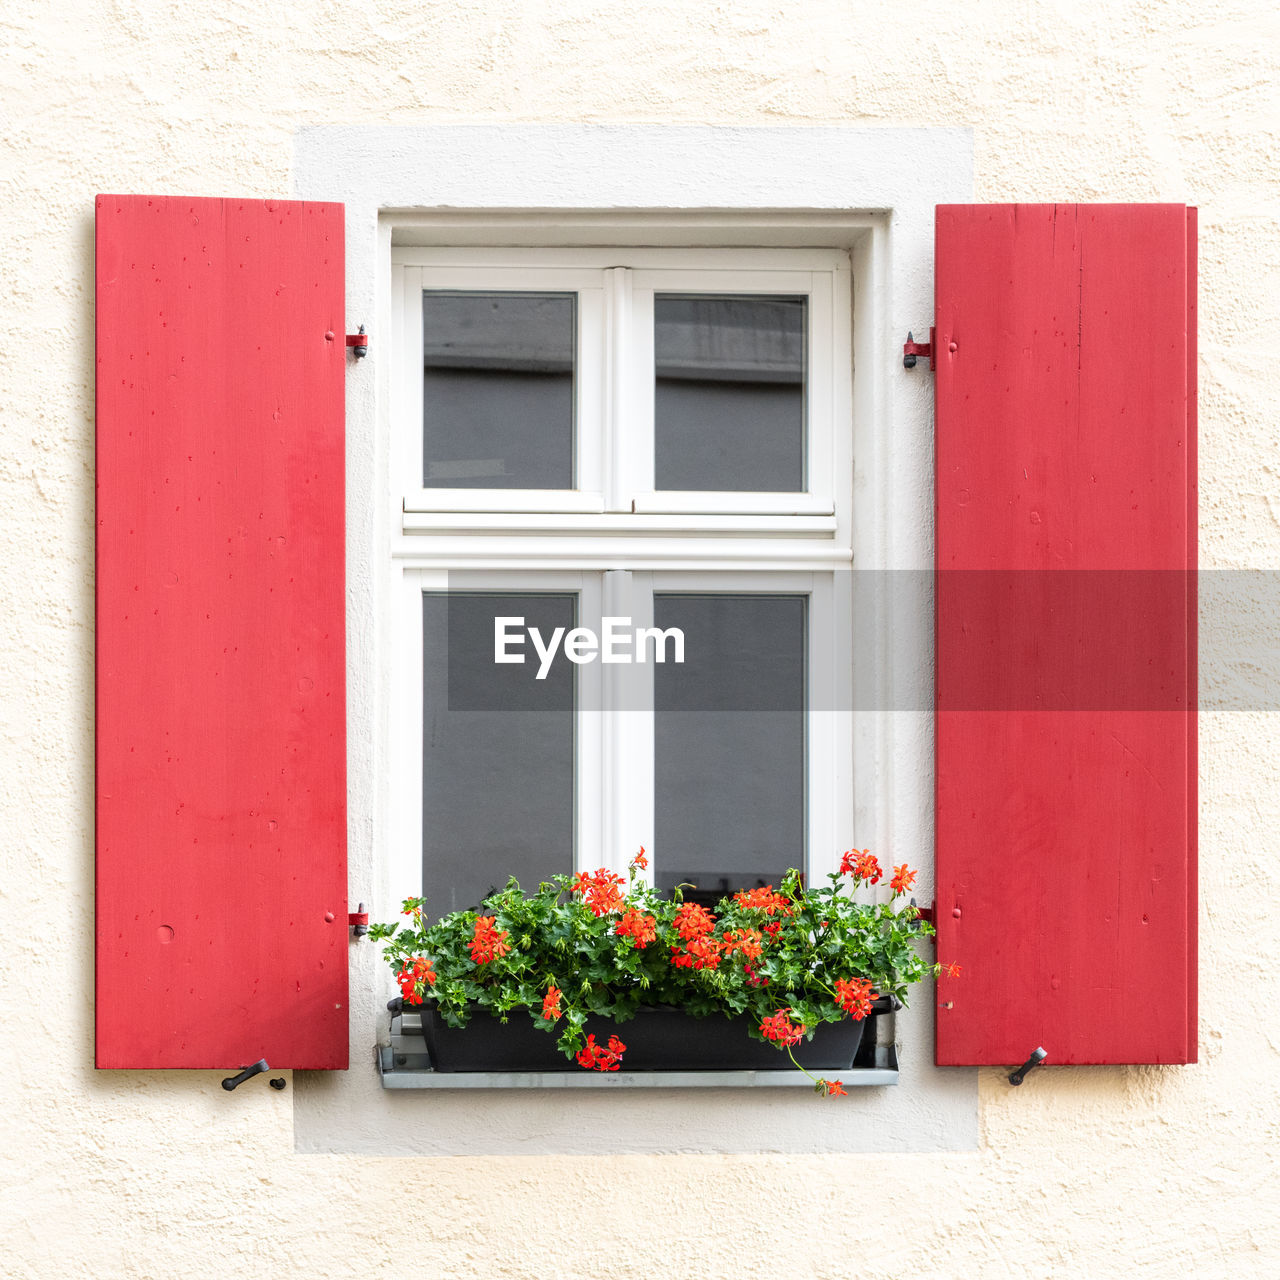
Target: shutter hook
<point>234,1082</point>
<point>359,343</point>
<point>1037,1057</point>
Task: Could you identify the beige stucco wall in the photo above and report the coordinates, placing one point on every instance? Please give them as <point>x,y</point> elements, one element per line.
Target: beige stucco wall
<point>1146,1171</point>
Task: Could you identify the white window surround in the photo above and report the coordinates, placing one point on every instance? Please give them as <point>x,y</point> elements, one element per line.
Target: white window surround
<point>521,186</point>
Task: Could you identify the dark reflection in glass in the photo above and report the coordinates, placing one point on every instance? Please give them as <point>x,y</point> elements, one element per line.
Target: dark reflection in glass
<point>498,750</point>
<point>498,398</point>
<point>729,739</point>
<point>729,393</point>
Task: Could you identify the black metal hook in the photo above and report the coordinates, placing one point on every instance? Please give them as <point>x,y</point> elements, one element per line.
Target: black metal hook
<point>234,1082</point>
<point>1037,1057</point>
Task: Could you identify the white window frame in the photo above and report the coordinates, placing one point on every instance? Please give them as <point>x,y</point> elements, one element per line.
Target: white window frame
<point>616,527</point>
<point>614,428</point>
<point>614,726</point>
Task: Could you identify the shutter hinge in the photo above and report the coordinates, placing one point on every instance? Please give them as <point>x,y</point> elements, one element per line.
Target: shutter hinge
<point>928,914</point>
<point>359,343</point>
<point>911,349</point>
<point>359,922</point>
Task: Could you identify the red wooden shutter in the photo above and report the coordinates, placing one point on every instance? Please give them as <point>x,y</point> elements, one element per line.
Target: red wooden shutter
<point>1066,622</point>
<point>221,753</point>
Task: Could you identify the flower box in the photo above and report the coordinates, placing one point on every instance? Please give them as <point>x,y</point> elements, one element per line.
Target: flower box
<point>597,968</point>
<point>657,1039</point>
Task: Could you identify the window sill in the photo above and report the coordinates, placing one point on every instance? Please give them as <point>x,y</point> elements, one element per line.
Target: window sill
<point>403,1064</point>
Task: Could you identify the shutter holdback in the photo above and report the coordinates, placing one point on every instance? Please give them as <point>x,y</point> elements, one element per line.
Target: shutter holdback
<point>234,1082</point>
<point>1037,1057</point>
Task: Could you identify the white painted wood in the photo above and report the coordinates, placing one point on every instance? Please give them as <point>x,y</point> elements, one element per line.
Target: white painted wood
<point>501,551</point>
<point>673,524</point>
<point>703,260</point>
<point>621,387</point>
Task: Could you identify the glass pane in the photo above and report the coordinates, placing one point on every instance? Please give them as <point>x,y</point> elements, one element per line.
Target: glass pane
<point>729,738</point>
<point>729,393</point>
<point>498,750</point>
<point>497,399</point>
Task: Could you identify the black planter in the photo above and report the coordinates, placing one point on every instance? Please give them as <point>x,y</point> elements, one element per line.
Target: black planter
<point>657,1039</point>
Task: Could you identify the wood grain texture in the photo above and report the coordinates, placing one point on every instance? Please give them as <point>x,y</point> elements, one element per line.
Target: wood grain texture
<point>221,725</point>
<point>1066,665</point>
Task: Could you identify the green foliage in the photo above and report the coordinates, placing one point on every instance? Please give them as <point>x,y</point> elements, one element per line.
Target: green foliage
<point>763,952</point>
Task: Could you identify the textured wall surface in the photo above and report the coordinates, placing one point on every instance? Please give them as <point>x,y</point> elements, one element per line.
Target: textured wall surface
<point>1155,1172</point>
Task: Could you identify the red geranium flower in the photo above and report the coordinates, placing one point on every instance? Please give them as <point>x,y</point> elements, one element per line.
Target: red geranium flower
<point>765,899</point>
<point>779,1028</point>
<point>902,879</point>
<point>855,997</point>
<point>488,942</point>
<point>699,953</point>
<point>601,890</point>
<point>595,1058</point>
<point>639,927</point>
<point>693,921</point>
<point>745,940</point>
<point>413,973</point>
<point>640,860</point>
<point>861,865</point>
<point>551,1003</point>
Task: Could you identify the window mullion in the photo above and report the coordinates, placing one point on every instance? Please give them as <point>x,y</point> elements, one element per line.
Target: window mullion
<point>631,720</point>
<point>619,388</point>
<point>591,744</point>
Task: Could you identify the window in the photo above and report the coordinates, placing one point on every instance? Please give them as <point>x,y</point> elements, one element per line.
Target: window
<point>606,449</point>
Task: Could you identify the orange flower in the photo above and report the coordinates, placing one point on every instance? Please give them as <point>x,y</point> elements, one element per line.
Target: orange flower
<point>902,879</point>
<point>765,899</point>
<point>830,1089</point>
<point>640,860</point>
<point>601,890</point>
<point>594,1058</point>
<point>637,926</point>
<point>693,921</point>
<point>699,953</point>
<point>855,997</point>
<point>488,943</point>
<point>779,1028</point>
<point>952,970</point>
<point>413,974</point>
<point>551,1003</point>
<point>861,865</point>
<point>745,940</point>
